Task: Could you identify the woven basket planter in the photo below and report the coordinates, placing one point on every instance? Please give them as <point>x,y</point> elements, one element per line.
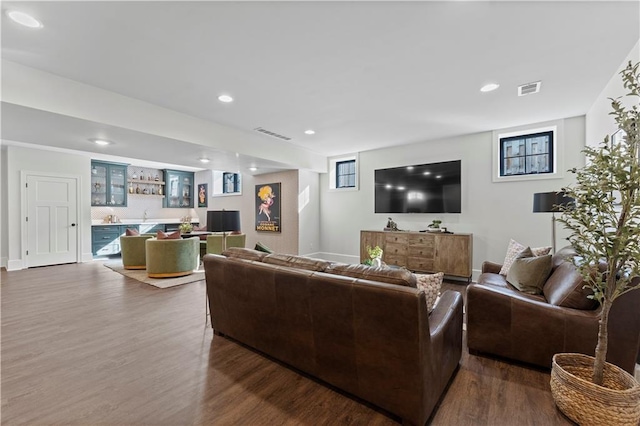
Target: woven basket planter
<point>615,403</point>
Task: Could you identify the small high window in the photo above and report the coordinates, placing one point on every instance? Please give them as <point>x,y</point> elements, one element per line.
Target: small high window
<point>346,174</point>
<point>230,183</point>
<point>527,154</point>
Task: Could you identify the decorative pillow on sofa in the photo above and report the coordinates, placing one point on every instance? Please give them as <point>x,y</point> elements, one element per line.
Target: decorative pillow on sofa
<point>529,273</point>
<point>131,232</point>
<point>172,236</point>
<point>431,284</point>
<point>514,249</point>
<point>261,247</point>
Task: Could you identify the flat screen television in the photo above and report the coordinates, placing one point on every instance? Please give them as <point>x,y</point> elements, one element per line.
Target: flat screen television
<point>423,188</point>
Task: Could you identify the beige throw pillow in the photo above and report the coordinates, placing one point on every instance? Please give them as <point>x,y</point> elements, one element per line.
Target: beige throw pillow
<point>431,284</point>
<point>514,249</point>
<point>528,273</point>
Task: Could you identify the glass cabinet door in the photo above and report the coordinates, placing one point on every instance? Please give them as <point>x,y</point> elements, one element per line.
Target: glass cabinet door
<point>108,184</point>
<point>118,188</point>
<point>98,185</point>
<point>187,191</point>
<point>179,189</point>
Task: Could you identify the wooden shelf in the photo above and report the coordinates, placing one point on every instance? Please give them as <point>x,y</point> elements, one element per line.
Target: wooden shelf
<point>148,195</point>
<point>146,182</point>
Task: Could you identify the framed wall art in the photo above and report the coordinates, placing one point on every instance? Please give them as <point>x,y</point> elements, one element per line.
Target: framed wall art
<point>268,202</point>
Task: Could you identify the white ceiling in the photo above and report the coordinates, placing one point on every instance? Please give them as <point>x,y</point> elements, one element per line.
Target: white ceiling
<point>363,75</point>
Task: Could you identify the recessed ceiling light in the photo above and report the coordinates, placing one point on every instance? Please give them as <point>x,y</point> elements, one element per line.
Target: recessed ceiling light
<point>426,173</point>
<point>204,160</point>
<point>253,169</point>
<point>489,87</point>
<point>101,142</point>
<point>24,19</point>
<point>225,98</point>
<point>309,132</point>
<point>401,188</point>
<point>409,167</point>
<point>388,186</point>
<point>439,177</point>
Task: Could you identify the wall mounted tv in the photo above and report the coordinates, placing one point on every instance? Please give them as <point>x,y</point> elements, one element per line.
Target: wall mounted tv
<point>423,188</point>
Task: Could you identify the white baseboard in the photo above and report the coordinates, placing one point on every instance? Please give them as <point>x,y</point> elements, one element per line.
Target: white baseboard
<point>15,265</point>
<point>335,257</point>
<point>87,257</point>
<point>317,254</point>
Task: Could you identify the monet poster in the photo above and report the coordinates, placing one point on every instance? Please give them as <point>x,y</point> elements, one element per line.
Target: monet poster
<point>268,207</point>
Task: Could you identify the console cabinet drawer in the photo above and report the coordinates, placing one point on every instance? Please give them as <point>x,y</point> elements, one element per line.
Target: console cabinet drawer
<point>395,260</point>
<point>420,264</point>
<point>421,240</point>
<point>397,238</point>
<point>423,251</point>
<point>393,249</point>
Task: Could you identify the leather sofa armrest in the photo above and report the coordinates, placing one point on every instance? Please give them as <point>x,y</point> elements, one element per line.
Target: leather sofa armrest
<point>490,267</point>
<point>445,328</point>
<point>445,311</point>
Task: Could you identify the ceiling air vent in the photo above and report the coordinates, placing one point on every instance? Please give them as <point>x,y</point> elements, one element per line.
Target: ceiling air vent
<point>529,88</point>
<point>272,134</point>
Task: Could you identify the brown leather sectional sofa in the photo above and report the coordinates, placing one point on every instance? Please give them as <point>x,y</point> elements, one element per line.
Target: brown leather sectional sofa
<point>532,328</point>
<point>341,324</point>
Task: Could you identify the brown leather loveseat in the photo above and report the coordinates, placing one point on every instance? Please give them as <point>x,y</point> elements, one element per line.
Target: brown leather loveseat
<point>372,339</point>
<point>532,328</point>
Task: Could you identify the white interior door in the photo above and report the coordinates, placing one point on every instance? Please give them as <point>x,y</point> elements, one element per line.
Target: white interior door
<point>52,229</point>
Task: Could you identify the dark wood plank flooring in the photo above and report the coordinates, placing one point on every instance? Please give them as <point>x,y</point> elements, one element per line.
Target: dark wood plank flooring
<point>84,345</point>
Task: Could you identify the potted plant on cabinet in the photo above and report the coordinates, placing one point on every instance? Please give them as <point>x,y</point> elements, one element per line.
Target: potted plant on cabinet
<point>604,227</point>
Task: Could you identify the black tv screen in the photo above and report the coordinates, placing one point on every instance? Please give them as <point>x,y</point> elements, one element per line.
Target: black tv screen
<point>423,188</point>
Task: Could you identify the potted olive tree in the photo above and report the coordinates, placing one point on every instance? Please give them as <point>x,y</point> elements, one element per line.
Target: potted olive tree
<point>604,227</point>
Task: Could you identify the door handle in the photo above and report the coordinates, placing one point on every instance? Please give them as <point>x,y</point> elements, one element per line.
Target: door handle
<point>73,224</point>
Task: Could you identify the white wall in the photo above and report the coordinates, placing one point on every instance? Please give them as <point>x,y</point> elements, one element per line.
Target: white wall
<point>283,242</point>
<point>492,212</point>
<point>308,212</point>
<point>20,159</point>
<point>598,121</point>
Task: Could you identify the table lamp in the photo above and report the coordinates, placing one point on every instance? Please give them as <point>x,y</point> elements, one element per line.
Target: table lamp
<point>550,202</point>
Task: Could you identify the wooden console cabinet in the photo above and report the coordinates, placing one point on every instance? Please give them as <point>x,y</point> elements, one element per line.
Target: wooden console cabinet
<point>422,251</point>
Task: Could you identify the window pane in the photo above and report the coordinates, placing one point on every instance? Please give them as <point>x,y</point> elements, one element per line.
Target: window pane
<point>538,163</point>
<point>346,174</point>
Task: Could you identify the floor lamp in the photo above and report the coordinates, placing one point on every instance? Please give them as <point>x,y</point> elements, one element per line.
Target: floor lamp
<point>220,221</point>
<point>550,202</point>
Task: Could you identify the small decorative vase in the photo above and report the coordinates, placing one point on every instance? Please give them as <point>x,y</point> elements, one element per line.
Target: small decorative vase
<point>377,262</point>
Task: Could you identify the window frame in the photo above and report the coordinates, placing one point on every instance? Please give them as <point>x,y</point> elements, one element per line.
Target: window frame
<point>525,157</point>
<point>347,176</point>
<point>556,160</point>
<point>333,172</point>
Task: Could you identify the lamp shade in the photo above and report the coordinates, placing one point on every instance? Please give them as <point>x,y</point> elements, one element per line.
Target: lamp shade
<point>547,202</point>
<point>223,220</point>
